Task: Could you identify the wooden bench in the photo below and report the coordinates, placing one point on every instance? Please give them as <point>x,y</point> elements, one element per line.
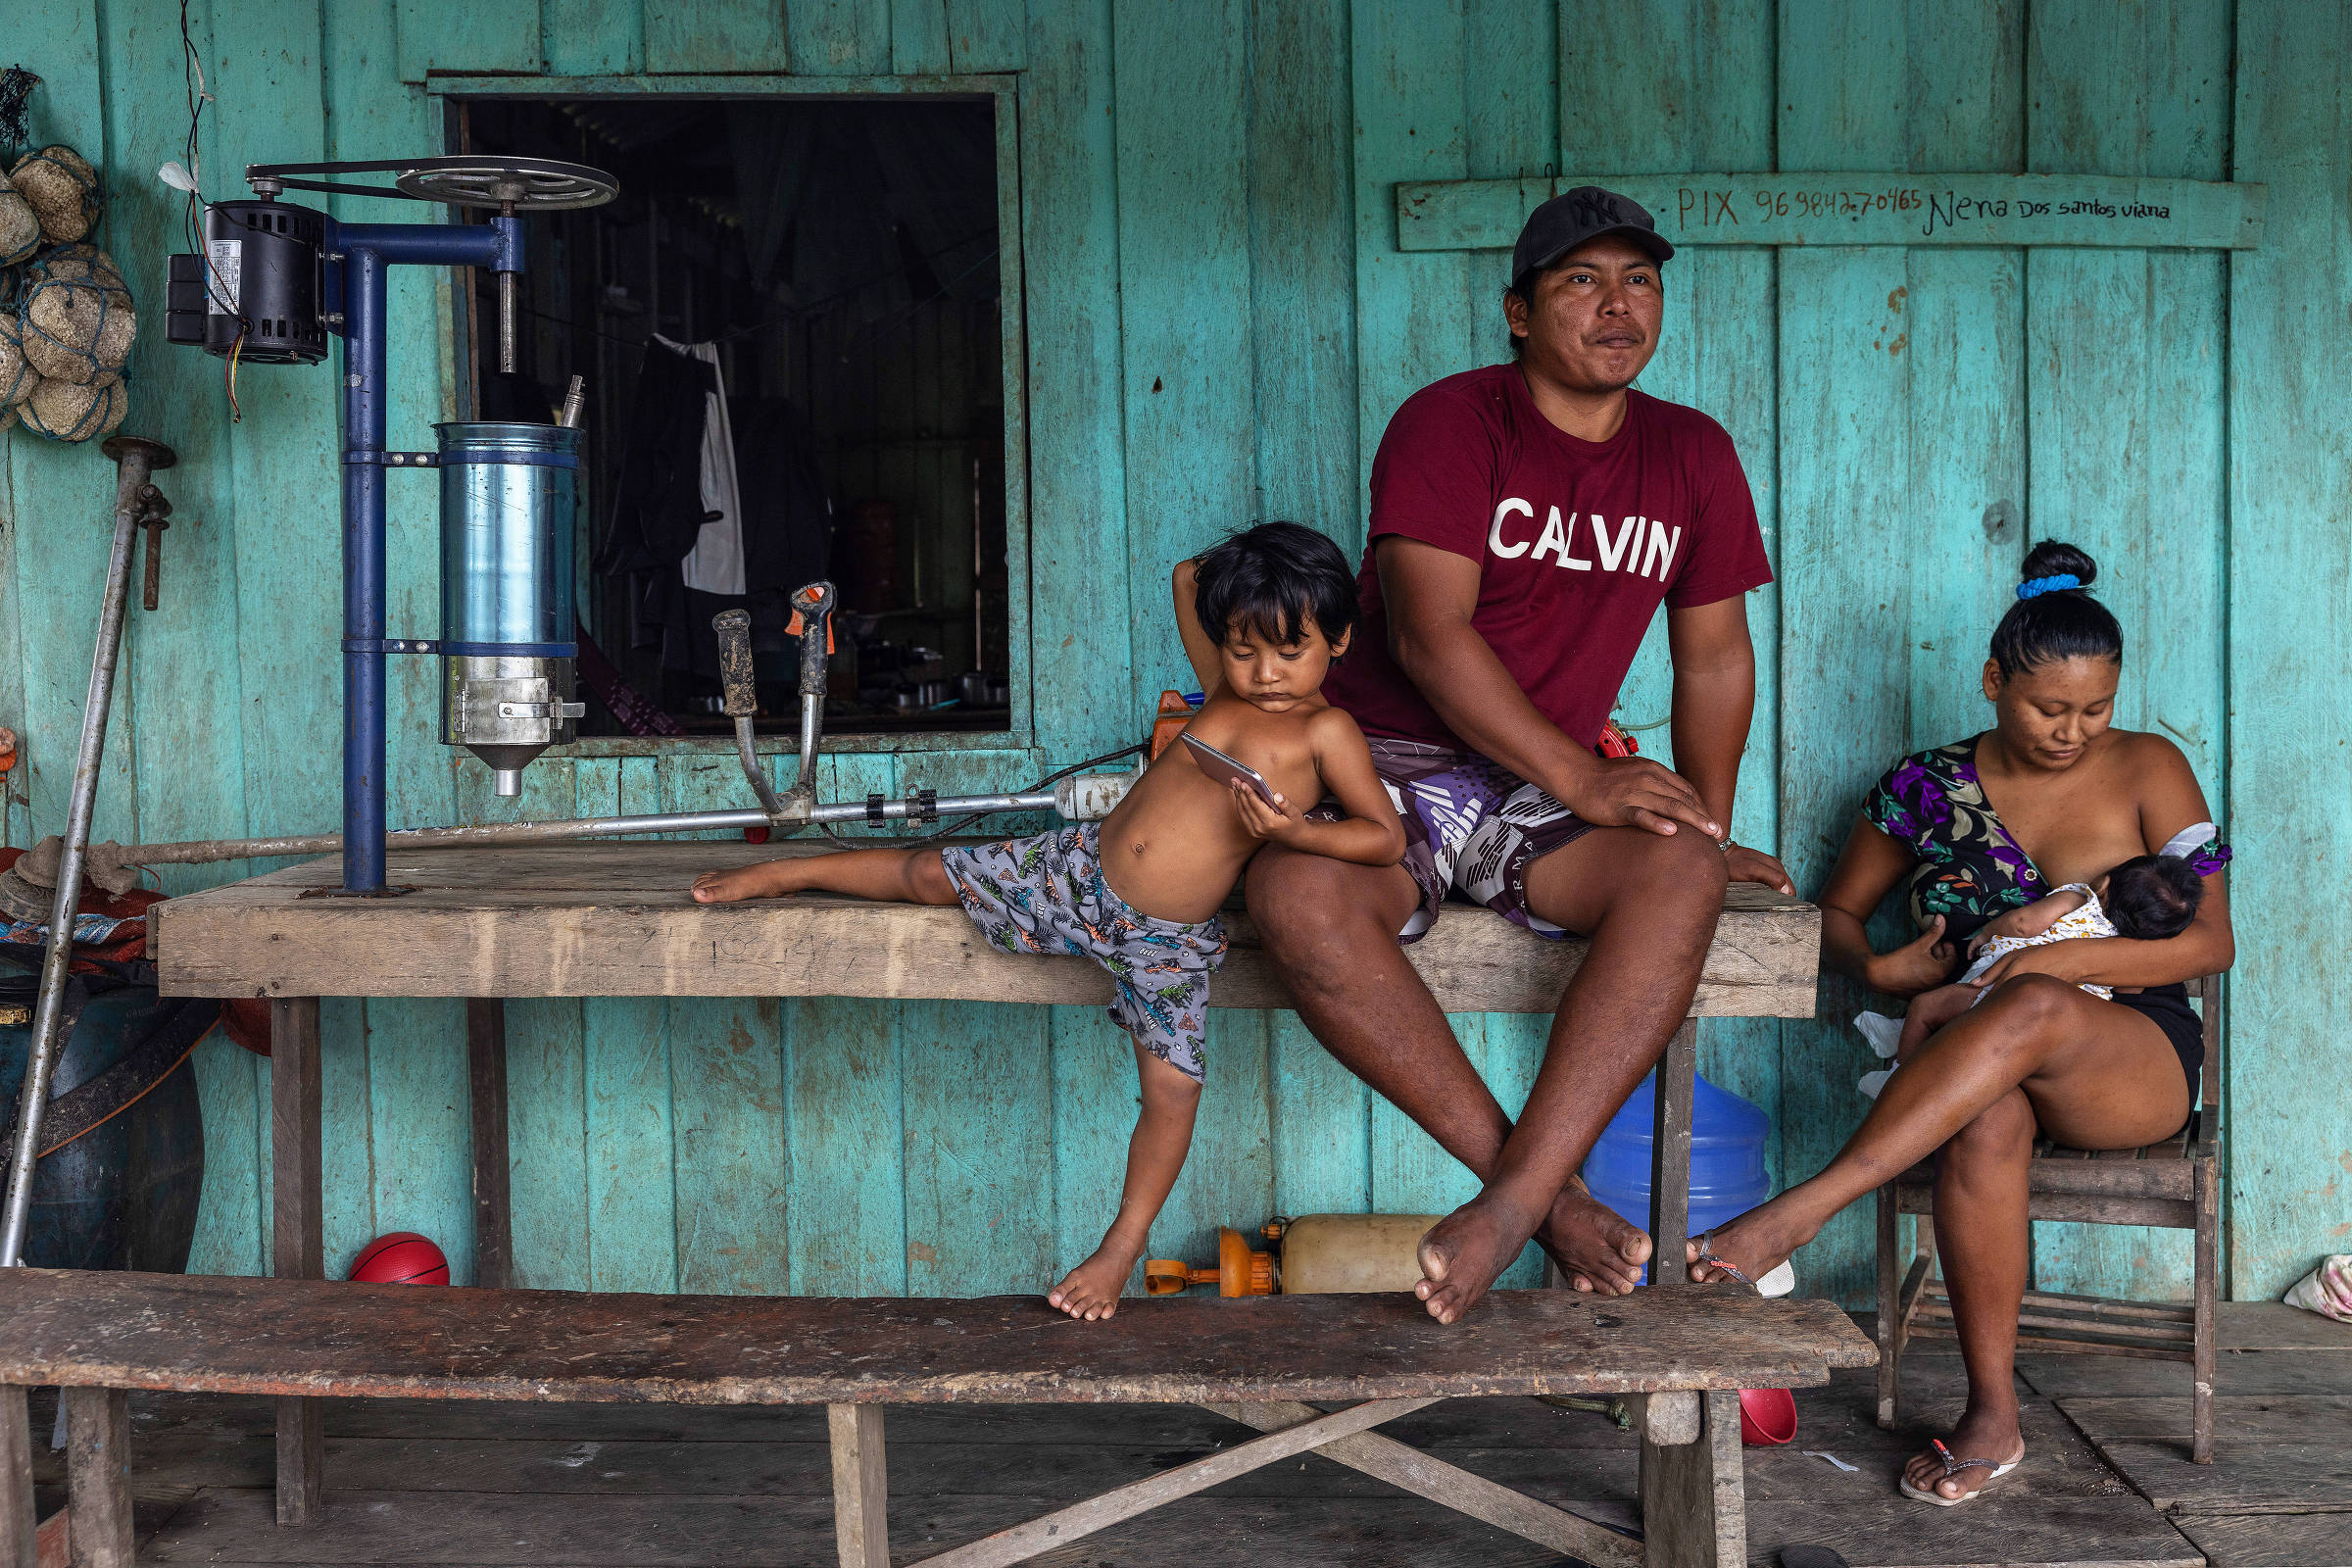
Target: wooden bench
<point>616,919</point>
<point>1272,1363</point>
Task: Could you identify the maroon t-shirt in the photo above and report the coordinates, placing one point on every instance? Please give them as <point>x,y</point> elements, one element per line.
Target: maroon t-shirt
<point>1577,542</point>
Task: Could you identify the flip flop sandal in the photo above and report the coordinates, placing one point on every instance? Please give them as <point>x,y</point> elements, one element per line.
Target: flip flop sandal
<point>1779,1280</point>
<point>1952,1467</point>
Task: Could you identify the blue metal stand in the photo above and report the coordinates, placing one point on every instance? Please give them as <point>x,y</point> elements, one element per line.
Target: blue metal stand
<point>358,255</point>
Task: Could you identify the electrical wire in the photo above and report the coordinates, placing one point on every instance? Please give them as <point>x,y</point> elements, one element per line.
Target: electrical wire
<point>191,71</point>
<point>945,828</point>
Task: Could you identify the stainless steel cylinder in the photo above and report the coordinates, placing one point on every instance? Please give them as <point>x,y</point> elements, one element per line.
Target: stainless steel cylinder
<point>508,497</point>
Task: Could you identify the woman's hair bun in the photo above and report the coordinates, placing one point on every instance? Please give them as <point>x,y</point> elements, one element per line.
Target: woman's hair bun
<point>2048,620</point>
<point>2055,558</point>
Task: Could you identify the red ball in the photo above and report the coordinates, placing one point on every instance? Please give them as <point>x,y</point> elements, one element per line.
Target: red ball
<point>400,1257</point>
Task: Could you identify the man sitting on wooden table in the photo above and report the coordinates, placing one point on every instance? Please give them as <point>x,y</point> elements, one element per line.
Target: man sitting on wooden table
<point>1527,521</point>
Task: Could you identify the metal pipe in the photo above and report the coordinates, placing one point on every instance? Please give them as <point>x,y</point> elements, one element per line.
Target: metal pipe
<point>813,607</point>
<point>505,322</point>
<point>198,851</point>
<point>134,459</point>
<point>363,570</point>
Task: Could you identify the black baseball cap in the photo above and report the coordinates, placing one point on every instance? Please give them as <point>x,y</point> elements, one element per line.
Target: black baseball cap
<point>1574,216</point>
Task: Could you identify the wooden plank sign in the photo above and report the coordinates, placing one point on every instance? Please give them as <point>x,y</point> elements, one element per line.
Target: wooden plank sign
<point>1831,209</point>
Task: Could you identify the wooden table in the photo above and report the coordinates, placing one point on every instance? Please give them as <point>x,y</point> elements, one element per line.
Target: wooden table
<point>615,919</point>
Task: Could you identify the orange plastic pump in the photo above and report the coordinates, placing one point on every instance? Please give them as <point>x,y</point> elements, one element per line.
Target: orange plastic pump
<point>1315,1254</point>
<point>1239,1271</point>
<point>1167,725</point>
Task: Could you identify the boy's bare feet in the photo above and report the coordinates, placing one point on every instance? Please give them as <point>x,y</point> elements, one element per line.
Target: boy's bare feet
<point>766,879</point>
<point>1757,1242</point>
<point>1091,1291</point>
<point>1594,1246</point>
<point>1462,1254</point>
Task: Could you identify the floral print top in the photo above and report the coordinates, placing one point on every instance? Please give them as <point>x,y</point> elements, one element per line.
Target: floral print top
<point>1970,869</point>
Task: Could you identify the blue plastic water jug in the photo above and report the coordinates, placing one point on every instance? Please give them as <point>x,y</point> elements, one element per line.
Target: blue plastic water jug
<point>1727,1157</point>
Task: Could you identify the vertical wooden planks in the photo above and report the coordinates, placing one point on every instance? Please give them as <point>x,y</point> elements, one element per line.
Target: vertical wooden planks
<point>2126,383</point>
<point>495,37</point>
<point>61,500</point>
<point>594,37</point>
<point>420,1122</point>
<point>1407,69</point>
<point>725,36</point>
<point>837,37</point>
<point>632,1193</point>
<point>1184,277</point>
<point>1077,463</point>
<point>1319,1125</point>
<point>229,1215</point>
<point>547,1141</point>
<point>986,36</point>
<point>194,785</point>
<point>1302,278</point>
<point>918,38</point>
<point>978,1118</point>
<point>846,1188</point>
<point>267,75</point>
<point>1845,433</point>
<point>2290,574</point>
<point>726,1090</point>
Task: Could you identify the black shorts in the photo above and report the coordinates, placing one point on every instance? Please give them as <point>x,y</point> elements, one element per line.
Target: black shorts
<point>2167,1006</point>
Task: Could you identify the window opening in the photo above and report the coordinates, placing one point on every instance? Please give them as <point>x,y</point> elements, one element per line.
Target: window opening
<point>833,264</point>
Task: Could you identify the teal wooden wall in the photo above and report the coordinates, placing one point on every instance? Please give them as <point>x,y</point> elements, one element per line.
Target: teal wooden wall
<point>1219,326</point>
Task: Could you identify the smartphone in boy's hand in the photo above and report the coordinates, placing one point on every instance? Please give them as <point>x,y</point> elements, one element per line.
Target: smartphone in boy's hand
<point>1225,770</point>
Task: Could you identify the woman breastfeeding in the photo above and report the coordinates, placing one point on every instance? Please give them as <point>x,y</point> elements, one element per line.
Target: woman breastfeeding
<point>2048,800</point>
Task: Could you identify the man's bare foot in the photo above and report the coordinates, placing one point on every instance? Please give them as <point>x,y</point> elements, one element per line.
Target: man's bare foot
<point>1981,1435</point>
<point>1593,1247</point>
<point>1463,1254</point>
<point>765,880</point>
<point>1091,1291</point>
<point>1757,1242</point>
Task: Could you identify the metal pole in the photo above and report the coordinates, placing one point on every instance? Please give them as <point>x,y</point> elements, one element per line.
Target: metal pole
<point>134,459</point>
<point>363,571</point>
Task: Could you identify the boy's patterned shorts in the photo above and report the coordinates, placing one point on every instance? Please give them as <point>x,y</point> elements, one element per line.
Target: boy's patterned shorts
<point>1047,894</point>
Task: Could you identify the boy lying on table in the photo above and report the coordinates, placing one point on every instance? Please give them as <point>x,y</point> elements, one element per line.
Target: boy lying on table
<point>1262,614</point>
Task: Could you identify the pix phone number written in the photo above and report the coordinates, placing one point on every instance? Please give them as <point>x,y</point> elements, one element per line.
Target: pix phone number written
<point>1708,207</point>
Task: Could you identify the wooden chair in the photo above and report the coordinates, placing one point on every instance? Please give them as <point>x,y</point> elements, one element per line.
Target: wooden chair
<point>2176,1184</point>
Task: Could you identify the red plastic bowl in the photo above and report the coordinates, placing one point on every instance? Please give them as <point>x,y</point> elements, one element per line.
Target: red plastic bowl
<point>1767,1417</point>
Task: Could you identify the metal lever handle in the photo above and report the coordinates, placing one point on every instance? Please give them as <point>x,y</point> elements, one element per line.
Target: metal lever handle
<point>742,702</point>
<point>812,609</point>
<point>734,628</point>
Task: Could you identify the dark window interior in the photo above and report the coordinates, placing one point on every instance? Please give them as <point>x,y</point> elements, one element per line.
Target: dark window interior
<point>841,257</point>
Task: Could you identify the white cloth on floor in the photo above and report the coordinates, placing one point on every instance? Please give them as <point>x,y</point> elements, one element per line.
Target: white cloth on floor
<point>715,565</point>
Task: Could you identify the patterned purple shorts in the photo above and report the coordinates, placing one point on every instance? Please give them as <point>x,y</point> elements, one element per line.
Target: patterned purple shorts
<point>1470,825</point>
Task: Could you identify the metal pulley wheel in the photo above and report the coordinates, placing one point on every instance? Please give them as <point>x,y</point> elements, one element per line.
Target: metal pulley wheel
<point>528,184</point>
<point>524,185</point>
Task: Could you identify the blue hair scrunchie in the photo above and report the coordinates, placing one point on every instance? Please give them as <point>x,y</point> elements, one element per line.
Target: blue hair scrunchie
<point>2035,587</point>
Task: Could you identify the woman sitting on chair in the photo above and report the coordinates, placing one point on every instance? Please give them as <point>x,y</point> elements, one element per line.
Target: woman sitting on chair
<point>2049,798</point>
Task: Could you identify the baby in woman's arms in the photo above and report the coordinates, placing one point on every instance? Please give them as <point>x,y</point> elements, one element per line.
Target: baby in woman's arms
<point>2148,897</point>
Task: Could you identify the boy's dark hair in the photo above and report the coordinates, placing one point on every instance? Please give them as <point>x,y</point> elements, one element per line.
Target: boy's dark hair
<point>1272,578</point>
<point>2054,618</point>
<point>2151,897</point>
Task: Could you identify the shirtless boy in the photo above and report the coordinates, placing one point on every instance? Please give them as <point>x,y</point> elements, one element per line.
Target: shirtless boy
<point>1262,614</point>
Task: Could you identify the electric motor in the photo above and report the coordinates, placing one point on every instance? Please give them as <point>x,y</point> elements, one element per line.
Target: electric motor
<point>255,289</point>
